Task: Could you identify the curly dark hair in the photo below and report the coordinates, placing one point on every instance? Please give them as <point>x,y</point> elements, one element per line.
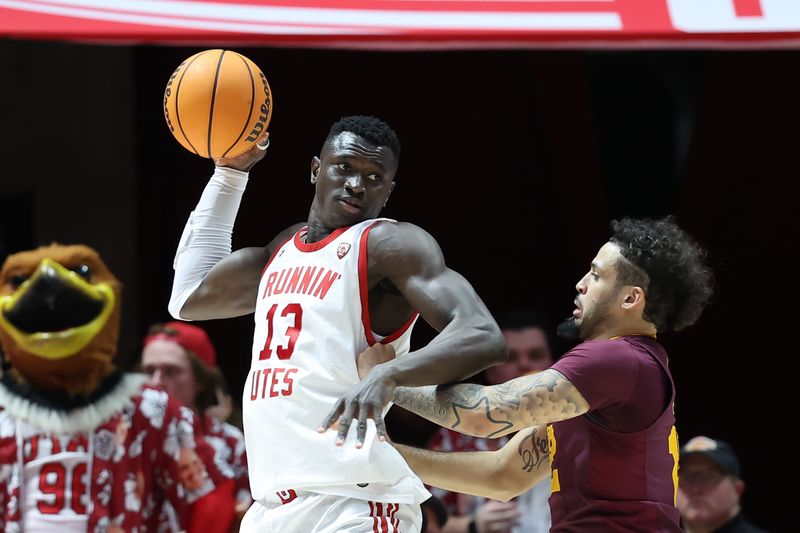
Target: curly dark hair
<point>371,128</point>
<point>669,265</point>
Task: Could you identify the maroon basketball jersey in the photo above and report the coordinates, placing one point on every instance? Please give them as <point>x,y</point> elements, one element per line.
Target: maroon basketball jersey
<point>615,468</point>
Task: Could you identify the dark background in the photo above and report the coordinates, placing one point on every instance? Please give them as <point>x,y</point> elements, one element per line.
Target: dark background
<point>516,161</point>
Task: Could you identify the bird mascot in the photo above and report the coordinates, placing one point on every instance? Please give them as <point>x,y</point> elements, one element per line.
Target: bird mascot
<point>85,447</point>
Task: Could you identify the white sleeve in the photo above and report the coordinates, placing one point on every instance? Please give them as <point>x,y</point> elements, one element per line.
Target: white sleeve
<point>206,238</point>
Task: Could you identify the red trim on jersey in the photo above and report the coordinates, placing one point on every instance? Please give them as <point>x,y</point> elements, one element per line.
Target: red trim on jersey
<point>374,518</point>
<point>363,285</point>
<point>393,516</point>
<point>383,518</point>
<point>363,289</point>
<point>319,245</point>
<point>274,254</point>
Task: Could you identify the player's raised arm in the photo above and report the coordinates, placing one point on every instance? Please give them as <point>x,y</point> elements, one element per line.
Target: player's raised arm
<point>210,281</point>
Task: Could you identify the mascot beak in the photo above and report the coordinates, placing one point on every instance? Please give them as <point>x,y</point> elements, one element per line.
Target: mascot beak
<point>55,313</point>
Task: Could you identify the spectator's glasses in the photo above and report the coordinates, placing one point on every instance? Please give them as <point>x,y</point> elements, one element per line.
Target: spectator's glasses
<point>701,479</point>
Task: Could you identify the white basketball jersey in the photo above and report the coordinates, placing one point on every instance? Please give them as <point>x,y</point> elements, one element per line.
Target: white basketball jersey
<point>311,322</point>
<point>55,481</point>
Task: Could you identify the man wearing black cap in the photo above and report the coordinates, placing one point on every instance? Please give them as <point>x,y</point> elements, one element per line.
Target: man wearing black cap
<point>710,487</point>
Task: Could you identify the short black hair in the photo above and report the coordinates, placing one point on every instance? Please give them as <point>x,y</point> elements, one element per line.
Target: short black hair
<point>371,128</point>
<point>669,265</point>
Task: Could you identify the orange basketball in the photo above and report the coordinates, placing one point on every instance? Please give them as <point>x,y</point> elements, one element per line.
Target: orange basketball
<point>217,103</point>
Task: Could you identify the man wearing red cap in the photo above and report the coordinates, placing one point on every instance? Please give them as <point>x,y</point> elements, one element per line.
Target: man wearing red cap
<point>181,360</point>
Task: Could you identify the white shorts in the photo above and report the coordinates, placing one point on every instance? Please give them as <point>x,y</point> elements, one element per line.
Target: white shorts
<point>311,512</point>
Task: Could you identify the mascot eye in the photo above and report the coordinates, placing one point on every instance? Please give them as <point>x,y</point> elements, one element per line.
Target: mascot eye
<point>83,271</point>
<point>17,280</point>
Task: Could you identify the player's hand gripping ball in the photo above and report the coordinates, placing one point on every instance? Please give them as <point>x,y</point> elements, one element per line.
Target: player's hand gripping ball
<point>217,103</point>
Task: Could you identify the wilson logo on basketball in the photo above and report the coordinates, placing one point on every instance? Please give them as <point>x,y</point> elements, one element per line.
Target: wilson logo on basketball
<point>342,249</point>
<point>265,109</point>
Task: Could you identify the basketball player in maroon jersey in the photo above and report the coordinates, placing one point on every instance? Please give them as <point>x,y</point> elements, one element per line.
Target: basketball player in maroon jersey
<point>600,420</point>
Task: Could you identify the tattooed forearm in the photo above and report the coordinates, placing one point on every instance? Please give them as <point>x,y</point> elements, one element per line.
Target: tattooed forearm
<point>441,404</point>
<point>457,407</point>
<point>422,401</point>
<point>497,410</point>
<point>481,403</point>
<point>533,450</point>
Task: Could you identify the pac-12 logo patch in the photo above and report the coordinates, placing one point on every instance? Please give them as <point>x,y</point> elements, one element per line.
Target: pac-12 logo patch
<point>342,249</point>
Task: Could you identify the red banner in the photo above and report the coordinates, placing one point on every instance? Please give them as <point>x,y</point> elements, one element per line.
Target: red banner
<point>424,24</point>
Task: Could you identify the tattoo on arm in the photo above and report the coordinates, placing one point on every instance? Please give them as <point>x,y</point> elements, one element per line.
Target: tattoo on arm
<point>445,405</point>
<point>533,450</point>
<point>422,401</point>
<point>493,411</point>
<point>504,424</point>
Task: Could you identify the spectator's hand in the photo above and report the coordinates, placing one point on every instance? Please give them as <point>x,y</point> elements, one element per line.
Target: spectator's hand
<point>496,517</point>
<point>366,400</point>
<point>374,355</point>
<point>224,407</point>
<point>248,159</point>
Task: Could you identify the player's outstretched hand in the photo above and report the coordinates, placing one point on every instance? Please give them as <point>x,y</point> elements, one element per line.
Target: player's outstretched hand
<point>247,160</point>
<point>374,355</point>
<point>366,400</point>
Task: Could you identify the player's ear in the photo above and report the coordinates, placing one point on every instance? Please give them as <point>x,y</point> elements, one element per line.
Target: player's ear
<point>391,188</point>
<point>315,166</point>
<point>633,296</point>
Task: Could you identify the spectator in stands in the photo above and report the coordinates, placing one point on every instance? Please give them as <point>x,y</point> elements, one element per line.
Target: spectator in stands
<point>710,488</point>
<point>182,361</point>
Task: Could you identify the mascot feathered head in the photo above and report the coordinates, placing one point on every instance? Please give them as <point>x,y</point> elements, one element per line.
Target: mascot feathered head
<point>59,318</point>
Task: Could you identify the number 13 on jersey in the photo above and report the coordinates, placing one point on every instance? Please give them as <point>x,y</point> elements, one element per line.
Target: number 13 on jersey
<point>283,352</point>
<point>277,381</point>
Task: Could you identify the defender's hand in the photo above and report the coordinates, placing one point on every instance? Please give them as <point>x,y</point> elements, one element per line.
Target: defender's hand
<point>247,160</point>
<point>374,355</point>
<point>366,400</point>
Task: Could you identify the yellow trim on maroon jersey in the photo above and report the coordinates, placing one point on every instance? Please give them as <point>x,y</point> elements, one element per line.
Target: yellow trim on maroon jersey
<point>555,486</point>
<point>674,451</point>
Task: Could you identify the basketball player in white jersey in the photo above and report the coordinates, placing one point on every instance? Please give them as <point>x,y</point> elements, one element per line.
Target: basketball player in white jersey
<point>322,291</point>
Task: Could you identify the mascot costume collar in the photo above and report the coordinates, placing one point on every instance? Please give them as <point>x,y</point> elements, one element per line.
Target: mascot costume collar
<point>59,326</point>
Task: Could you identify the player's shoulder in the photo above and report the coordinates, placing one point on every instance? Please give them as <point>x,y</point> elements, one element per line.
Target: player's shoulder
<point>604,350</point>
<point>387,232</point>
<point>402,247</point>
